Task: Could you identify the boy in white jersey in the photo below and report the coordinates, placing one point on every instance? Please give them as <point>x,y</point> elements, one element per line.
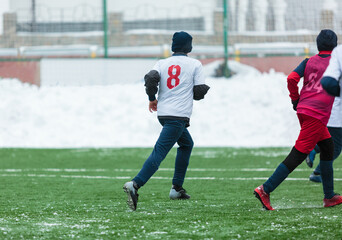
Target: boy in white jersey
<point>180,80</point>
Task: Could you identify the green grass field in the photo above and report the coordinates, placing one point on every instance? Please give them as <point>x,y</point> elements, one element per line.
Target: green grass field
<point>77,193</point>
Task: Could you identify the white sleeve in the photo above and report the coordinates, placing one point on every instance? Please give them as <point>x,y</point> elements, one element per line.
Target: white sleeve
<point>156,67</point>
<point>334,69</point>
<point>199,75</point>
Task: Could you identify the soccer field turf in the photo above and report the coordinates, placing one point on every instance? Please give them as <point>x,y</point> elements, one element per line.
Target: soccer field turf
<point>77,193</point>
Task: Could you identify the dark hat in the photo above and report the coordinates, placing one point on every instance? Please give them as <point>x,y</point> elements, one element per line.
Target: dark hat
<point>326,40</point>
<point>181,42</point>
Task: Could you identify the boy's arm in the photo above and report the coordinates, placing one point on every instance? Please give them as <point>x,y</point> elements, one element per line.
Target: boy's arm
<point>152,79</point>
<point>331,86</point>
<point>200,91</point>
<point>200,88</point>
<point>332,75</point>
<point>293,80</point>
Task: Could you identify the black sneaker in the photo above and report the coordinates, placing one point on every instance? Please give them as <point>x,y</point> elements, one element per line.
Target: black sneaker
<point>310,158</point>
<point>315,177</point>
<point>178,193</point>
<point>132,193</point>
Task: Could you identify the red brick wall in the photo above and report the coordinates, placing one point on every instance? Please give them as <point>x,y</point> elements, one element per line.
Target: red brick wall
<point>25,71</point>
<point>279,64</point>
<point>29,71</point>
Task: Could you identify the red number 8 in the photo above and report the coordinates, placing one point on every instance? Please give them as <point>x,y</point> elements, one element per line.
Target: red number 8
<point>173,76</point>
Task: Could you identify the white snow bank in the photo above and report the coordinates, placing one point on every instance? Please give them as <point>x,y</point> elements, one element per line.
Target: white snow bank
<point>250,109</point>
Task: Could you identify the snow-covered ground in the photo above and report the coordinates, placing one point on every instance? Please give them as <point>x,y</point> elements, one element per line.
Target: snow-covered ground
<point>250,109</point>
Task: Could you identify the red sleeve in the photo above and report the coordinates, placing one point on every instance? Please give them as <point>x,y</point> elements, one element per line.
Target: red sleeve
<point>292,84</point>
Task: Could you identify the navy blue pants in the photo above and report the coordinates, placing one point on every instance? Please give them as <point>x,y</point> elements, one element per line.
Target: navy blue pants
<point>336,134</point>
<point>174,131</point>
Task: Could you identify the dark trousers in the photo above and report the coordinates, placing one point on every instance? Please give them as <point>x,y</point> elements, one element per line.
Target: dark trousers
<point>174,131</point>
<point>336,134</point>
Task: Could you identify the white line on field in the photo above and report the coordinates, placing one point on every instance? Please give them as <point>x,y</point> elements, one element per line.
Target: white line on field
<point>160,169</point>
<point>159,178</point>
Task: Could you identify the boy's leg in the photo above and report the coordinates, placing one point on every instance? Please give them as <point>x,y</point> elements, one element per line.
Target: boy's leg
<point>317,150</point>
<point>171,132</point>
<point>327,173</point>
<point>293,160</point>
<point>311,157</point>
<point>336,134</point>
<point>186,144</point>
<point>330,197</point>
<point>304,144</point>
<point>306,141</point>
<point>280,174</point>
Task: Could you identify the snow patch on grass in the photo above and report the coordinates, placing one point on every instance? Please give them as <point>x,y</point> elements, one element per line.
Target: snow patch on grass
<point>49,224</point>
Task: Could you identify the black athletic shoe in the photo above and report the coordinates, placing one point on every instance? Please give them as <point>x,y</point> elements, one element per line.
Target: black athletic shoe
<point>178,193</point>
<point>310,158</point>
<point>132,194</point>
<point>315,177</point>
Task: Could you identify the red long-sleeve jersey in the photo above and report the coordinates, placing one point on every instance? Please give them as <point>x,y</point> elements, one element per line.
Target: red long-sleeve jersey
<point>313,100</point>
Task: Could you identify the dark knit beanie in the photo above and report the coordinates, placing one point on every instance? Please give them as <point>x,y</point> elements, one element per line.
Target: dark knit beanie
<point>181,42</point>
<point>326,40</point>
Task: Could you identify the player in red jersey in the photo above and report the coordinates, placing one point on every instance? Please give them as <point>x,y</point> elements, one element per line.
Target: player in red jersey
<point>313,106</point>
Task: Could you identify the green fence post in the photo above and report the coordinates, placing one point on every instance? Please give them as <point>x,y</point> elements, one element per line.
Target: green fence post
<point>105,28</point>
<point>225,38</point>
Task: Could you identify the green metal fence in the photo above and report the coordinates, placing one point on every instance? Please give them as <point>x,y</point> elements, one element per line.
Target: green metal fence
<point>143,28</point>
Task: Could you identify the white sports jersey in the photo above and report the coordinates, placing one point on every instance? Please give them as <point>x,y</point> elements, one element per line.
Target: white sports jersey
<point>334,70</point>
<point>178,76</point>
<point>335,119</point>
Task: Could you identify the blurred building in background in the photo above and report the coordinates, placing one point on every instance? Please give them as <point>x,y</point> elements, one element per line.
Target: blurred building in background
<point>143,28</point>
<point>148,22</point>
